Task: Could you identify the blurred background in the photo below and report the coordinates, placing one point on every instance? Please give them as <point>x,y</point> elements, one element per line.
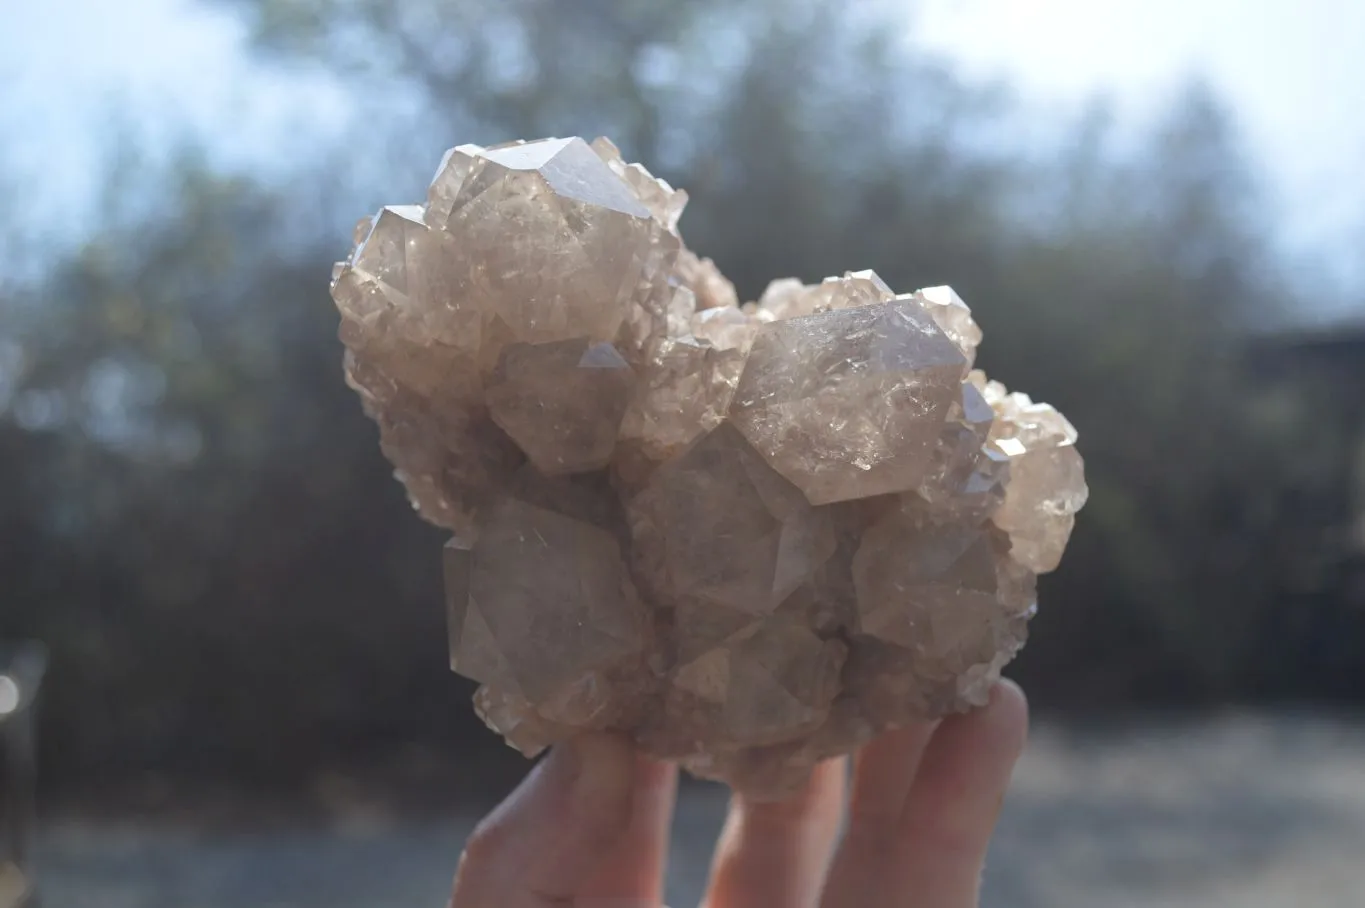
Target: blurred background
<point>1156,210</point>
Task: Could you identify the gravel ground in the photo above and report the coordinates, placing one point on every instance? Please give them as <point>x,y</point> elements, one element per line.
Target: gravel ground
<point>1248,811</point>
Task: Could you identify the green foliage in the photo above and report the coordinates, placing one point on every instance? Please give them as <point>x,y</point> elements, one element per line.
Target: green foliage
<point>196,516</point>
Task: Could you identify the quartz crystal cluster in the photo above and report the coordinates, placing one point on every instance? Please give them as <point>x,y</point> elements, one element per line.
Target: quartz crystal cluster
<point>752,537</point>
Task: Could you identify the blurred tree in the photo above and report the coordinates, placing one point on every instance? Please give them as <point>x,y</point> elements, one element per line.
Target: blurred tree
<point>1134,314</point>
<point>764,108</point>
<point>196,503</point>
<point>503,69</point>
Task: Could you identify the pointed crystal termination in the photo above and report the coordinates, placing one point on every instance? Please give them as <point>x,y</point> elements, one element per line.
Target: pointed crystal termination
<point>789,298</point>
<point>951,314</point>
<point>750,537</point>
<point>849,403</point>
<point>664,202</point>
<point>394,294</point>
<point>412,357</point>
<point>450,176</point>
<point>966,477</point>
<point>577,254</point>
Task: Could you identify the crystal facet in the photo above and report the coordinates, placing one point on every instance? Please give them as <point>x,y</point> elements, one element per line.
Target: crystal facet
<point>767,543</point>
<point>751,537</point>
<point>685,389</point>
<point>534,631</point>
<point>562,403</point>
<point>951,314</point>
<point>849,403</point>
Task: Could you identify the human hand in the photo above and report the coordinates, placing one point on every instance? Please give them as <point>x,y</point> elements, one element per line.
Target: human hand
<point>589,826</point>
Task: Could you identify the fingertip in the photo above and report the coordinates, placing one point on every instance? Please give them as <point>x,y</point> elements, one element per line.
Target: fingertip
<point>1007,691</point>
<point>957,797</point>
<point>1007,713</point>
<point>777,852</point>
<point>925,805</point>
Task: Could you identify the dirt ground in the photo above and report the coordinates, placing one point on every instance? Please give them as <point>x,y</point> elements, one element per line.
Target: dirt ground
<point>1250,811</point>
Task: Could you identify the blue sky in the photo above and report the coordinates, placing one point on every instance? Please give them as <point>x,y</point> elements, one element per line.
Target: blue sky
<point>162,68</point>
<point>1293,69</point>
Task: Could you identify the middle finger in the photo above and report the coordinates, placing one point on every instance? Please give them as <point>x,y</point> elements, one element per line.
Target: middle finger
<point>775,854</point>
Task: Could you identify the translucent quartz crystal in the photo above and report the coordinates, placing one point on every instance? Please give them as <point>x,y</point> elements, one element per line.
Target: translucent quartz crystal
<point>725,327</point>
<point>685,389</point>
<point>719,526</point>
<point>951,314</point>
<point>562,403</point>
<point>541,603</point>
<point>789,298</point>
<point>751,537</point>
<point>849,403</point>
<point>663,201</point>
<point>712,288</point>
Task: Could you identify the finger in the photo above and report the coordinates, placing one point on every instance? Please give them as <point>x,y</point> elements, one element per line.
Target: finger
<point>632,874</point>
<point>952,807</point>
<point>541,844</point>
<point>882,777</point>
<point>775,854</point>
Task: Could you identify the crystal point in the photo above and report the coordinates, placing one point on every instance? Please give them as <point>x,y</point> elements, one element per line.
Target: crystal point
<point>951,314</point>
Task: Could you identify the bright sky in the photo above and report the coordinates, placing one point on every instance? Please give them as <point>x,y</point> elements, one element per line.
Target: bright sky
<point>164,67</point>
<point>1294,69</point>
